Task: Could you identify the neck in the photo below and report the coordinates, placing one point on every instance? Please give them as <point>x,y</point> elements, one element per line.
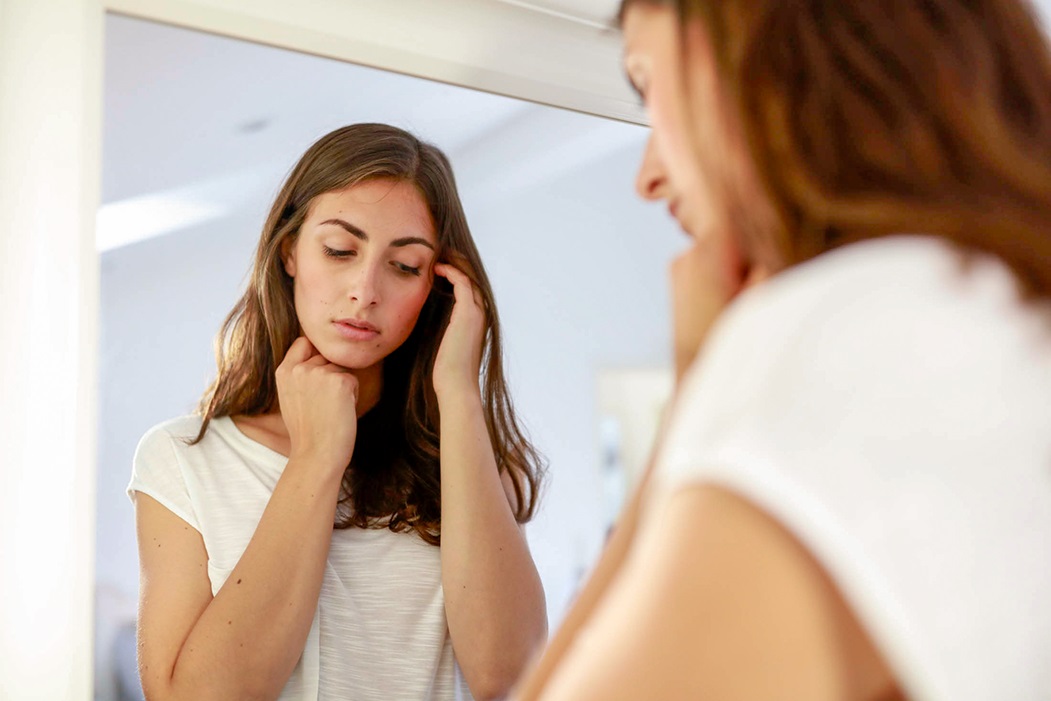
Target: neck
<point>370,387</point>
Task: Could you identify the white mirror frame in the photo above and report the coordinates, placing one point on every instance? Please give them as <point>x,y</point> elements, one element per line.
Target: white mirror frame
<point>50,170</point>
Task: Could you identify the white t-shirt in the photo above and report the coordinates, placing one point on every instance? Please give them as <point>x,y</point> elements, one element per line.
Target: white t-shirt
<point>380,630</point>
<point>892,409</point>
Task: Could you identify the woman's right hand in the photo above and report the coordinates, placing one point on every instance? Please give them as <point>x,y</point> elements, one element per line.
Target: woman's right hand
<point>318,401</point>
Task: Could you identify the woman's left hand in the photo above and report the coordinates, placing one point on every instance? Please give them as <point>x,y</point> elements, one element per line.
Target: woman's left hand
<point>459,359</point>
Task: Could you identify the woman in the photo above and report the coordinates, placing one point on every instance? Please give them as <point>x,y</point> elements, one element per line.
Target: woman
<point>852,498</point>
<point>342,520</point>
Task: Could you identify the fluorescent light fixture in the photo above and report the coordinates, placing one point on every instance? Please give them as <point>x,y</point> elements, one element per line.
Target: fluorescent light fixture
<point>143,217</point>
<point>139,218</point>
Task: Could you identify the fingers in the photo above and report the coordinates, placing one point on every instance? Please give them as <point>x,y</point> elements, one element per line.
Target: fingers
<point>451,273</point>
<point>463,289</point>
<point>303,353</point>
<point>315,361</point>
<point>300,351</point>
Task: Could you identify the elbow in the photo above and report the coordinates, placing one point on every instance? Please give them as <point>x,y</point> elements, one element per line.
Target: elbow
<point>496,677</point>
<point>492,687</point>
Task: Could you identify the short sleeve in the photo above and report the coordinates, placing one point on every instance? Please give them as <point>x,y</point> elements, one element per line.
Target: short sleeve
<point>888,408</point>
<point>157,471</point>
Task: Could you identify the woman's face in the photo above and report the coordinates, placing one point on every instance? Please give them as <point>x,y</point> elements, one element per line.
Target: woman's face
<point>362,269</point>
<point>669,170</point>
<point>690,158</point>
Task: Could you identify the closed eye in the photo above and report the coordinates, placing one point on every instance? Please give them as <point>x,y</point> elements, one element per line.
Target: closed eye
<point>406,269</point>
<point>335,253</point>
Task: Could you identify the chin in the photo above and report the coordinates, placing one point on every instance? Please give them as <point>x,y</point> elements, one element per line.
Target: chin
<point>351,358</point>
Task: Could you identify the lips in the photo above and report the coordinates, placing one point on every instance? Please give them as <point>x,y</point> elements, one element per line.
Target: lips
<point>356,329</point>
<point>358,324</point>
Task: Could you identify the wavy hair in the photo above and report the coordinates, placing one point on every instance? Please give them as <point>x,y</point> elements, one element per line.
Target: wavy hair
<point>866,119</point>
<point>393,479</point>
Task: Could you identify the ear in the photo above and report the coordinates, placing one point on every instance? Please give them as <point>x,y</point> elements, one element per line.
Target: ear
<point>288,256</point>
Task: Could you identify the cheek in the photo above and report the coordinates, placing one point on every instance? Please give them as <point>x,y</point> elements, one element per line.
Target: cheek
<point>690,154</point>
<point>673,139</point>
<point>408,307</point>
<point>313,290</point>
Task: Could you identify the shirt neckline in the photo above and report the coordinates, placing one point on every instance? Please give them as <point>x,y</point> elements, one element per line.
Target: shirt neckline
<point>233,431</point>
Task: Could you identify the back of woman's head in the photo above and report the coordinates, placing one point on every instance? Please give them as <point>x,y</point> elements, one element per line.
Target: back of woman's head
<point>394,472</point>
<point>867,118</point>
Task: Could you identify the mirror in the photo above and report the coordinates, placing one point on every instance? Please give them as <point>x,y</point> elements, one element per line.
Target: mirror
<point>200,130</point>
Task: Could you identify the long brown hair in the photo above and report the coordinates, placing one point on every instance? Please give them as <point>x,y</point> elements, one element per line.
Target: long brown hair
<point>865,119</point>
<point>393,479</point>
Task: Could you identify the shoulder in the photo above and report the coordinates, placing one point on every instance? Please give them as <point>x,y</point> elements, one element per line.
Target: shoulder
<point>169,435</point>
<point>905,337</point>
<point>898,307</point>
<point>860,400</point>
<point>717,600</point>
<point>873,273</point>
<point>160,464</point>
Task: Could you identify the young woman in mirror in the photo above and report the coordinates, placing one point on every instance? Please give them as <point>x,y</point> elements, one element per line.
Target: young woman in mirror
<point>343,519</point>
<point>852,497</point>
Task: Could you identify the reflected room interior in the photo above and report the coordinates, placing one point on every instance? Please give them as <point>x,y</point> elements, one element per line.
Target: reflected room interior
<point>199,132</point>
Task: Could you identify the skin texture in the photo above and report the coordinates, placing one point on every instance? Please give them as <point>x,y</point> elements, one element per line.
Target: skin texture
<point>193,646</point>
<point>382,279</point>
<point>699,594</point>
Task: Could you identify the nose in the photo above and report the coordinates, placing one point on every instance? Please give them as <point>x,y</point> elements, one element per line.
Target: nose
<point>651,182</point>
<point>364,284</point>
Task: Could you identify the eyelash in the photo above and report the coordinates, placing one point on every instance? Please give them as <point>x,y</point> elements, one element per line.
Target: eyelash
<point>333,253</point>
<point>400,267</point>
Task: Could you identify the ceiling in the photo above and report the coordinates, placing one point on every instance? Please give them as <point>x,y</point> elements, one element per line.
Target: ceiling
<point>197,125</point>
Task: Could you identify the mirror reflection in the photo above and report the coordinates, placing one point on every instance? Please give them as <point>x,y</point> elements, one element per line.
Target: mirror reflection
<point>200,134</point>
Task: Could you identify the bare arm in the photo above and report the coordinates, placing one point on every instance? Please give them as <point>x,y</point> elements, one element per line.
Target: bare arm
<point>718,601</point>
<point>587,600</point>
<point>699,294</point>
<point>245,642</point>
<point>494,599</point>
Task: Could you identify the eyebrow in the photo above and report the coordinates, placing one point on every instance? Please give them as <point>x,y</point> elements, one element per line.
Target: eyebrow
<point>396,243</point>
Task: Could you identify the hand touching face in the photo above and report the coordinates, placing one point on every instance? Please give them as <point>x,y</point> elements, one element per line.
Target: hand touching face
<point>690,161</point>
<point>459,359</point>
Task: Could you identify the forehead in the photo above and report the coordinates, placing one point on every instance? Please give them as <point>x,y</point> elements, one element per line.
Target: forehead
<point>381,206</point>
<point>640,20</point>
